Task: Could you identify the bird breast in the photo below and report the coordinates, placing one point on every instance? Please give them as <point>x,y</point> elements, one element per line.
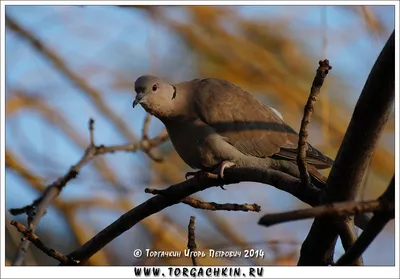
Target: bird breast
<point>196,143</point>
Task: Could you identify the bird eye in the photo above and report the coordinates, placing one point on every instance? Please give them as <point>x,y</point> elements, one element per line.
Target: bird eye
<point>155,87</point>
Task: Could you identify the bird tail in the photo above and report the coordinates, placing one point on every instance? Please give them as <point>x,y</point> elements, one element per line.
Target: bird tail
<point>317,179</point>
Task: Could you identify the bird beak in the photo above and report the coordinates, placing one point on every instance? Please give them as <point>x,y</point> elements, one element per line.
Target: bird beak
<point>138,98</point>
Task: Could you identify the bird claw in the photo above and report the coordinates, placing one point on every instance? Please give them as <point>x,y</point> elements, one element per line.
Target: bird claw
<point>201,175</point>
<point>190,173</point>
<point>225,165</point>
<point>217,174</point>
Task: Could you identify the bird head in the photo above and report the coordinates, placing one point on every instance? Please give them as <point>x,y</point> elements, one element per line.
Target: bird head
<point>154,95</point>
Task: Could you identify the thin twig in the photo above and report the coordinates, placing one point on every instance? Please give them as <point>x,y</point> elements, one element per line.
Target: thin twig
<point>31,214</point>
<point>146,146</point>
<point>220,206</point>
<point>192,240</point>
<point>161,138</point>
<point>337,209</point>
<point>146,123</point>
<point>211,205</point>
<point>322,72</point>
<point>91,131</point>
<point>348,236</point>
<point>29,235</point>
<point>359,144</point>
<point>374,227</point>
<point>37,209</point>
<point>177,192</point>
<point>52,191</point>
<point>33,100</point>
<point>90,153</point>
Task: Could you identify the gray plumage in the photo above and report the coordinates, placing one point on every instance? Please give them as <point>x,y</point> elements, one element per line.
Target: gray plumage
<point>210,121</point>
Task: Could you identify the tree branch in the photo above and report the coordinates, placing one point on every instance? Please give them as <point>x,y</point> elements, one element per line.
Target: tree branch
<point>374,227</point>
<point>145,145</point>
<point>192,239</point>
<point>211,205</point>
<point>33,101</point>
<point>347,234</point>
<point>145,129</point>
<point>369,118</point>
<point>91,132</point>
<point>343,209</point>
<point>322,72</point>
<point>174,194</point>
<point>29,235</point>
<point>37,209</point>
<point>221,206</point>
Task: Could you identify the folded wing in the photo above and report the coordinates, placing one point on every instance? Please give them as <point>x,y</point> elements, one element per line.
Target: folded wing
<point>253,128</point>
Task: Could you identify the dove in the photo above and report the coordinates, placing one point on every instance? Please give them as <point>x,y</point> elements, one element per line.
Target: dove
<point>214,124</point>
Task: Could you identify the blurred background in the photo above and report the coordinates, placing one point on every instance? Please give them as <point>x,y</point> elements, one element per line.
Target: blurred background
<point>66,64</point>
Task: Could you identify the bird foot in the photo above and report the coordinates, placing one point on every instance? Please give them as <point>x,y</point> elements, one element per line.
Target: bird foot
<point>189,174</point>
<point>221,168</point>
<point>218,173</point>
<point>199,175</point>
<point>224,165</point>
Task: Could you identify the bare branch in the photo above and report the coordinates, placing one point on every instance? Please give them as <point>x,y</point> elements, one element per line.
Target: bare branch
<point>374,227</point>
<point>52,191</point>
<point>32,100</point>
<point>312,196</point>
<point>211,205</point>
<point>343,209</point>
<point>277,179</point>
<point>174,194</point>
<point>322,72</point>
<point>91,131</point>
<point>221,206</point>
<point>31,214</point>
<point>192,239</point>
<point>29,235</point>
<point>146,146</point>
<point>367,123</point>
<point>38,208</point>
<point>146,123</point>
<point>161,138</point>
<point>348,235</point>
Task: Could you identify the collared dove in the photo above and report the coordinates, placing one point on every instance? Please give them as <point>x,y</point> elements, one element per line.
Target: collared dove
<point>214,124</point>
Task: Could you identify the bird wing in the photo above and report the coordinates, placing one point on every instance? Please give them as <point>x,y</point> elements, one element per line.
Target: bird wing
<point>247,124</point>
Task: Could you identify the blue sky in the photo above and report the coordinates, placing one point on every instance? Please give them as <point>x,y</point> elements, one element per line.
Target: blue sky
<point>86,36</point>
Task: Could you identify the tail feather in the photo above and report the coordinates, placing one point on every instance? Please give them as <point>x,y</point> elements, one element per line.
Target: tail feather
<point>317,179</point>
